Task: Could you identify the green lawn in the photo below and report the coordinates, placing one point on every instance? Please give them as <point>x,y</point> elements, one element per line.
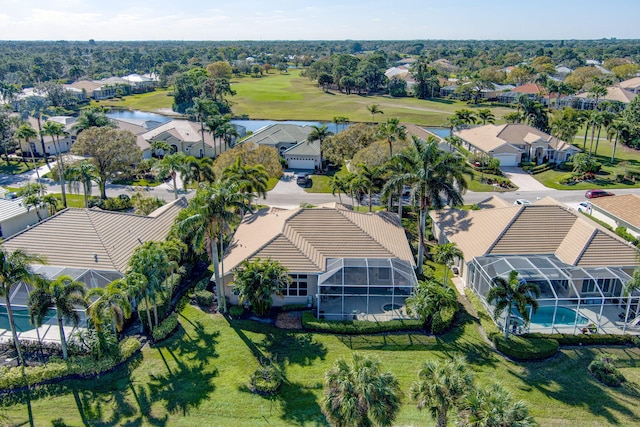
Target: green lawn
<point>199,377</point>
<point>150,101</point>
<point>15,168</point>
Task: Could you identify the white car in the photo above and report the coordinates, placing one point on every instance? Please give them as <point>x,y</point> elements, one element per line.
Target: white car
<point>521,202</point>
<point>584,207</point>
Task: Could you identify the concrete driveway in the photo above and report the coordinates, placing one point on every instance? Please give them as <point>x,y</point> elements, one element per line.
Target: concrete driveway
<point>288,185</point>
<point>522,179</point>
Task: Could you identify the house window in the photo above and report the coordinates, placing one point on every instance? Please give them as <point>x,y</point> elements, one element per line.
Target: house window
<point>298,286</point>
<point>588,286</point>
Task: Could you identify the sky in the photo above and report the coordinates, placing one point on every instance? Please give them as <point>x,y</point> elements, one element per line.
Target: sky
<point>318,20</point>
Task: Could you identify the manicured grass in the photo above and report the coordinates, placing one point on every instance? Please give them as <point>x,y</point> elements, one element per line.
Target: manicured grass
<point>293,97</point>
<point>150,101</point>
<point>15,168</point>
<point>200,376</point>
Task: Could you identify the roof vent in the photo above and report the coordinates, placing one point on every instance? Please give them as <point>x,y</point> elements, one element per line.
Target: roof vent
<point>95,257</point>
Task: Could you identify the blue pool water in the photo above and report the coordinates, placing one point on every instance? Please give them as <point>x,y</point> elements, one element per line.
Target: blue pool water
<point>441,132</point>
<point>564,316</point>
<point>137,115</point>
<point>21,319</point>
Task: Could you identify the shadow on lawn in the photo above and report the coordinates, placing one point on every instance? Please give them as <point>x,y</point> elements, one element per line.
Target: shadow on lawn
<point>566,379</point>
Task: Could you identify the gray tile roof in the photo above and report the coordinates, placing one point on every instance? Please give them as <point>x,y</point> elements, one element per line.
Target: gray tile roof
<point>279,133</point>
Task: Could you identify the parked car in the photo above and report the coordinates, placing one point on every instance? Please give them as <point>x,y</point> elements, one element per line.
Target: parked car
<point>592,194</point>
<point>584,207</point>
<point>302,178</point>
<point>522,202</point>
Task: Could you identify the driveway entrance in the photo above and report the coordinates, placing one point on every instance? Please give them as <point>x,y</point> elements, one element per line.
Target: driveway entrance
<point>522,179</point>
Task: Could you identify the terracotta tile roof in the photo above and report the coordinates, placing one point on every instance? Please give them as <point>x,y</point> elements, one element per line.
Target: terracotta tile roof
<point>302,239</point>
<point>625,207</point>
<point>530,88</point>
<point>92,238</point>
<point>545,227</point>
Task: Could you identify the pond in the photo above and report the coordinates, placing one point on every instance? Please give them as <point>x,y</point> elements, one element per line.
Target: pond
<point>137,115</point>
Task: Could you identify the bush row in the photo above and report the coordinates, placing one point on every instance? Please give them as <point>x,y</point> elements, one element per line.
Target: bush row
<point>120,203</point>
<point>293,307</point>
<point>622,232</point>
<point>356,327</point>
<point>56,369</point>
<point>165,327</point>
<point>525,348</point>
<point>541,168</point>
<point>587,339</point>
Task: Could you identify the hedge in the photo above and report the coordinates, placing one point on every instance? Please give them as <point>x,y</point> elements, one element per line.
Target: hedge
<point>526,348</point>
<point>487,323</point>
<point>57,369</point>
<point>586,339</point>
<point>165,327</point>
<point>204,298</point>
<point>294,307</point>
<point>357,327</point>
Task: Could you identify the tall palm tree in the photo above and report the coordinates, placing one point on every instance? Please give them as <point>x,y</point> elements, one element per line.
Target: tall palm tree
<point>202,109</point>
<point>37,107</point>
<point>213,125</point>
<point>15,268</point>
<point>251,179</point>
<point>615,129</point>
<point>430,299</point>
<point>446,254</point>
<point>319,133</point>
<point>198,171</point>
<point>442,386</point>
<point>392,131</point>
<point>595,121</point>
<point>513,293</point>
<point>372,179</point>
<point>92,117</point>
<point>204,223</point>
<point>172,165</point>
<point>374,109</point>
<point>485,115</point>
<point>56,130</point>
<point>152,262</point>
<point>111,304</point>
<point>227,132</point>
<point>26,132</point>
<point>431,173</point>
<point>338,184</point>
<point>466,116</point>
<point>360,394</point>
<point>82,173</point>
<point>64,295</point>
<point>606,118</point>
<point>494,406</point>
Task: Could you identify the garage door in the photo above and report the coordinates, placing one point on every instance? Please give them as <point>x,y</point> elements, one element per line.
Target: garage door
<point>301,164</point>
<point>506,159</point>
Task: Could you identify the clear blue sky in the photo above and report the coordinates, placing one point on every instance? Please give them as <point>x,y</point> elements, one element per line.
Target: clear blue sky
<point>317,19</point>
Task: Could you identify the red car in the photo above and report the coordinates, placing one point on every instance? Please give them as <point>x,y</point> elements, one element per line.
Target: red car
<point>592,194</point>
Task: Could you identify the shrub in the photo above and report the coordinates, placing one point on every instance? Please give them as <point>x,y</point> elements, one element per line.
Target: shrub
<point>603,370</point>
<point>566,166</point>
<point>541,168</point>
<point>622,232</point>
<point>204,298</point>
<point>120,203</point>
<point>357,327</point>
<point>525,348</point>
<point>166,327</point>
<point>440,326</point>
<point>586,339</point>
<point>267,379</point>
<point>128,347</point>
<point>236,311</point>
<point>293,307</point>
<point>203,284</point>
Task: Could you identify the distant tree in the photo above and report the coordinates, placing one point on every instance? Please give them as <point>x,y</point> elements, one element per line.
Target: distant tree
<point>172,165</point>
<point>55,130</point>
<point>374,109</point>
<point>397,87</point>
<point>219,69</point>
<point>486,115</point>
<point>465,116</point>
<point>26,133</point>
<point>345,144</point>
<point>614,131</point>
<point>360,394</point>
<point>202,110</point>
<point>325,80</point>
<point>510,293</point>
<point>111,151</point>
<point>320,134</point>
<point>252,154</point>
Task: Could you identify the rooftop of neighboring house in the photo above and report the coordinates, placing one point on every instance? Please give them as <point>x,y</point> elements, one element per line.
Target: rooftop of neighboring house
<point>279,133</point>
<point>529,88</point>
<point>93,238</point>
<point>625,207</point>
<point>303,239</point>
<point>489,137</point>
<point>544,227</point>
<point>182,130</point>
<point>614,93</point>
<point>630,84</point>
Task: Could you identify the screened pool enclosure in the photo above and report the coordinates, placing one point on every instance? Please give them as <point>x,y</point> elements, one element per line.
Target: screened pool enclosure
<point>365,288</point>
<point>572,299</point>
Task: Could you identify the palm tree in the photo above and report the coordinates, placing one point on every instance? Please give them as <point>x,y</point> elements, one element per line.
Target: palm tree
<point>340,120</point>
<point>62,294</point>
<point>371,178</point>
<point>49,202</point>
<point>430,299</point>
<point>202,109</point>
<point>360,394</point>
<point>82,173</point>
<point>92,117</point>
<point>198,170</point>
<point>213,125</point>
<point>251,180</point>
<point>485,115</point>
<point>465,116</point>
<point>206,220</point>
<point>15,268</point>
<point>442,386</point>
<point>392,131</point>
<point>510,293</point>
<point>595,121</point>
<point>616,128</point>
<point>152,262</point>
<point>56,130</point>
<point>606,118</point>
<point>256,281</point>
<point>596,92</point>
<point>37,107</point>
<point>431,173</point>
<point>338,184</point>
<point>172,165</point>
<point>374,109</point>
<point>227,132</point>
<point>112,304</point>
<point>446,254</point>
<point>494,406</point>
<point>319,133</point>
<point>26,132</point>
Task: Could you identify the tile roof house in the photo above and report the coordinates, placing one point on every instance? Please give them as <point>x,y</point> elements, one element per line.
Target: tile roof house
<point>619,211</point>
<point>341,261</point>
<point>632,85</point>
<point>14,215</point>
<point>51,144</point>
<point>291,142</point>
<point>577,263</point>
<point>515,143</point>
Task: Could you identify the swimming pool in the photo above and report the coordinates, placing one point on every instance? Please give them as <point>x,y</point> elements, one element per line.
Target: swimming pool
<point>441,132</point>
<point>20,318</point>
<point>564,316</point>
